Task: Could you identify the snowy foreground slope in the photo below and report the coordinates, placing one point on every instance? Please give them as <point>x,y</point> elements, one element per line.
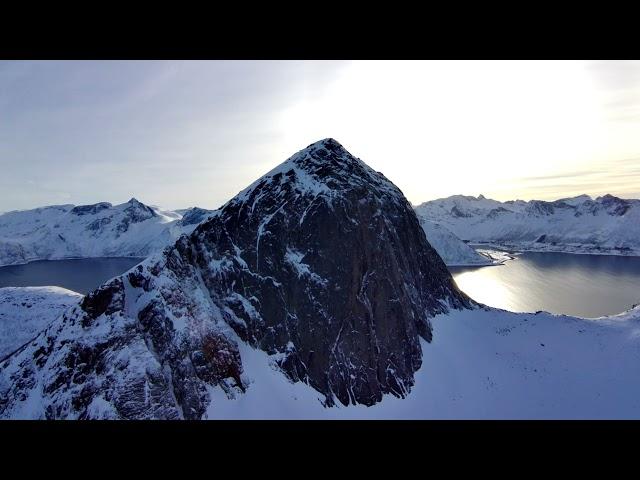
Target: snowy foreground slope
<point>25,311</point>
<point>131,229</point>
<point>606,225</point>
<point>482,364</point>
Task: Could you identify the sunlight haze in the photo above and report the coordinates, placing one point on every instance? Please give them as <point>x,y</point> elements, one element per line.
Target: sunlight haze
<point>181,133</point>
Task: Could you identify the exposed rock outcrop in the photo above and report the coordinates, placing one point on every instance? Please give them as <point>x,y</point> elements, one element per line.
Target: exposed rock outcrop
<point>321,263</point>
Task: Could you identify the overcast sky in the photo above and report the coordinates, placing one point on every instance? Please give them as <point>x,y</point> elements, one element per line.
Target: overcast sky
<point>182,133</point>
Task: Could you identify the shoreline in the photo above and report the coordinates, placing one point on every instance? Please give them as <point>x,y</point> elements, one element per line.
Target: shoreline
<point>27,262</point>
<point>514,249</point>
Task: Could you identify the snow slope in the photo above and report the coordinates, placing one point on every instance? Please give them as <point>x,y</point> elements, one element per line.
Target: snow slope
<point>481,364</point>
<point>606,225</point>
<point>453,251</point>
<point>24,311</point>
<point>131,229</point>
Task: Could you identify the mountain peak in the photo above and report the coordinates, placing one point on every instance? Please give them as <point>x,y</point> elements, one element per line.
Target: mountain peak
<point>327,151</point>
<point>138,211</point>
<point>607,197</point>
<point>327,143</point>
<point>323,168</point>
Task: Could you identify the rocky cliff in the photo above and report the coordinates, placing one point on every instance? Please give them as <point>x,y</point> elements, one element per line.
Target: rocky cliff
<point>321,263</point>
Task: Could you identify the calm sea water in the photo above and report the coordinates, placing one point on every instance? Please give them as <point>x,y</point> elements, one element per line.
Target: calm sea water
<point>582,285</point>
<point>81,275</point>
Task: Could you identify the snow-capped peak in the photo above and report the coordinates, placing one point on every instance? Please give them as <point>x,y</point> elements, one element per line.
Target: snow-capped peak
<point>606,225</point>
<point>324,168</point>
<point>94,230</point>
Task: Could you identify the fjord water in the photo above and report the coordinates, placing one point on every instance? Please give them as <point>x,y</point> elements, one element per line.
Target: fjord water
<point>80,275</point>
<point>582,285</point>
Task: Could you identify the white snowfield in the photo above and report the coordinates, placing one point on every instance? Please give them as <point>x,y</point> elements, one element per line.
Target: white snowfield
<point>482,364</point>
<point>131,229</point>
<point>25,311</point>
<point>606,225</point>
<point>451,249</point>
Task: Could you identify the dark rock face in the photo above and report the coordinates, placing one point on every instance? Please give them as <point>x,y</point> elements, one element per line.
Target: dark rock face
<point>496,212</point>
<point>321,263</point>
<point>90,209</point>
<point>456,212</point>
<point>539,208</point>
<point>99,224</point>
<point>342,272</point>
<point>542,238</point>
<point>194,216</point>
<point>135,212</point>
<point>615,206</point>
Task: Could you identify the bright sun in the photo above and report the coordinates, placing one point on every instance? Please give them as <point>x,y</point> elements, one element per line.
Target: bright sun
<point>444,127</point>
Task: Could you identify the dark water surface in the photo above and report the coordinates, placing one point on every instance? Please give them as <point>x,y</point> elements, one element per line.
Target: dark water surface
<point>582,285</point>
<point>81,275</point>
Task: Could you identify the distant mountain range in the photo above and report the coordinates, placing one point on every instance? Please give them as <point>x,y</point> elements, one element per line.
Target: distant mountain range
<point>605,225</point>
<point>134,229</point>
<point>131,229</point>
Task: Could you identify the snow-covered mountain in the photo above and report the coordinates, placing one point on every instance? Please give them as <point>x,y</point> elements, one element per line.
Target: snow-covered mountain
<point>453,251</point>
<point>26,311</point>
<point>131,229</point>
<point>606,225</point>
<point>321,264</point>
<point>315,287</point>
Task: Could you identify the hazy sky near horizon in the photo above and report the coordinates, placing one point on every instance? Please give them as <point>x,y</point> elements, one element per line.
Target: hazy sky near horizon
<point>185,133</point>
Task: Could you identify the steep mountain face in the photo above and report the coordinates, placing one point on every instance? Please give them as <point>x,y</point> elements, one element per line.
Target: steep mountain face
<point>131,229</point>
<point>605,225</point>
<point>321,263</point>
<point>194,216</point>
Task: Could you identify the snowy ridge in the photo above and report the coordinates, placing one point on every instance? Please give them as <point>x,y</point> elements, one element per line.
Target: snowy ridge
<point>606,225</point>
<point>453,251</point>
<point>131,229</point>
<point>25,311</point>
